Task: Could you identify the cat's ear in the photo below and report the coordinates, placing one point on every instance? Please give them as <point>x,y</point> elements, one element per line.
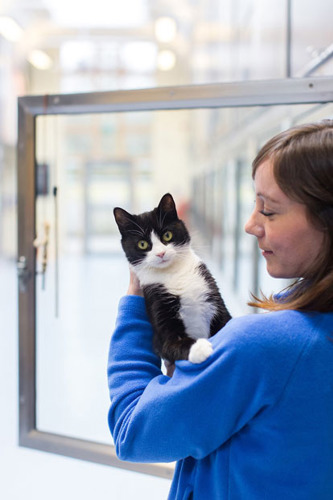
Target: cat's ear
<point>167,205</point>
<point>123,218</point>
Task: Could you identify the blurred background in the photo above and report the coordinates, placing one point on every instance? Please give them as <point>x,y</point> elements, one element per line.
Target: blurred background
<point>98,161</point>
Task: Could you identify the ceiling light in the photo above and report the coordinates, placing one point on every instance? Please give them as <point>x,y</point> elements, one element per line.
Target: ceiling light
<point>9,29</point>
<point>166,60</point>
<point>165,29</point>
<point>99,14</point>
<point>40,59</point>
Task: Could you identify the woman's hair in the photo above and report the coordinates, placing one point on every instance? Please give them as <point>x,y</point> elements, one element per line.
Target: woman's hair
<point>302,160</point>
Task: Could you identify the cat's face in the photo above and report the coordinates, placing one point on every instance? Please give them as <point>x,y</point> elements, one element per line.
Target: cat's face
<point>155,239</point>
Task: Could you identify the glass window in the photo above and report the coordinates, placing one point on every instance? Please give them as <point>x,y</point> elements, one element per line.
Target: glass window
<point>308,41</point>
<point>203,162</point>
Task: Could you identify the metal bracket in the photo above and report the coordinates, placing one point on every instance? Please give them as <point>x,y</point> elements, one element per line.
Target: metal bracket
<point>23,273</point>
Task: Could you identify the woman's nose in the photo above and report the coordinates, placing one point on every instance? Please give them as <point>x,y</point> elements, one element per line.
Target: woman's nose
<point>253,226</point>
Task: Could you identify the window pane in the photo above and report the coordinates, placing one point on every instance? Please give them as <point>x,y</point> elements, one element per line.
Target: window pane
<point>87,165</point>
<point>309,42</point>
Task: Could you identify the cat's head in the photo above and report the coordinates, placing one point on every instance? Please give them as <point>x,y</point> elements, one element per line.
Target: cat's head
<point>153,239</point>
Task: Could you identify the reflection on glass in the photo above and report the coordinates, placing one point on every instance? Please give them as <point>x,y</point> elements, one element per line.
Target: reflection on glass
<point>87,165</point>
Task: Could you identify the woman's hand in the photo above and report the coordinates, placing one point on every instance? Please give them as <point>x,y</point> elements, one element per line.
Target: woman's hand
<point>134,287</point>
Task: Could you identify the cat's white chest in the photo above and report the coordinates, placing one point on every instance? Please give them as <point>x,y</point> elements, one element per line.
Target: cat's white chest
<point>190,286</point>
<point>195,311</point>
<point>186,282</point>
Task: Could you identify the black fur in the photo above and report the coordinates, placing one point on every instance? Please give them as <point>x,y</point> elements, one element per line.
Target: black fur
<point>170,341</point>
<point>222,315</point>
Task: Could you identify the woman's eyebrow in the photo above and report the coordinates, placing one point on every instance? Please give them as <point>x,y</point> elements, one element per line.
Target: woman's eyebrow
<point>266,197</point>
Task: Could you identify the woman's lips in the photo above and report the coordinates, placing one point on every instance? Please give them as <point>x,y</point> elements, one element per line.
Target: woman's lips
<point>266,253</point>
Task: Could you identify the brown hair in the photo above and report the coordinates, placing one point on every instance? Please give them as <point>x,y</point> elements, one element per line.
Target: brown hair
<point>303,169</point>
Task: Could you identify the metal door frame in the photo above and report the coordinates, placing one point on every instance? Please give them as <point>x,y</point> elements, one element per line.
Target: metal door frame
<point>224,95</point>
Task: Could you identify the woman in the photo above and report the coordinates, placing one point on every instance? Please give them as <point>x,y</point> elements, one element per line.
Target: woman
<point>255,420</point>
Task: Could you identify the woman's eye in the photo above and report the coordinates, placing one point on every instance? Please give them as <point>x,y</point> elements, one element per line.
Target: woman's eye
<point>143,244</point>
<point>167,236</point>
<point>266,214</point>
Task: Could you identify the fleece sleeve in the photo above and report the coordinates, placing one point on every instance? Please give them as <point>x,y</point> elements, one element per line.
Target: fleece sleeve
<point>154,418</point>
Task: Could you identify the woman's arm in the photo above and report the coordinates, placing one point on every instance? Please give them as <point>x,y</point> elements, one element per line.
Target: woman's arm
<point>154,418</point>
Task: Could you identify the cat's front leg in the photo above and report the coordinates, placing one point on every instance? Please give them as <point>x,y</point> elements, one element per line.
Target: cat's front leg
<point>195,351</point>
<point>200,351</point>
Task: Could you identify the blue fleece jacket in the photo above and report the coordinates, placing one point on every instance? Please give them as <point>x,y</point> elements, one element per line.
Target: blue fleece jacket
<point>253,422</point>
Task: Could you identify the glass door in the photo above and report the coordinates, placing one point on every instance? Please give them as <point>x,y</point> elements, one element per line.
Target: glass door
<point>81,155</point>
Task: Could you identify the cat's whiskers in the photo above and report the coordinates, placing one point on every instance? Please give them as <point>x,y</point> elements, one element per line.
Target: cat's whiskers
<point>136,231</point>
<point>161,220</point>
<point>136,262</point>
<point>164,217</point>
<point>136,224</point>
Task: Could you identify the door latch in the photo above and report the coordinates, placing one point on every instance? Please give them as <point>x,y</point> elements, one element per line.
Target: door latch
<point>22,273</point>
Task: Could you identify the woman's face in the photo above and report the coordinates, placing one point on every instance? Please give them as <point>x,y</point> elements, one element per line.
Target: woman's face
<point>286,237</point>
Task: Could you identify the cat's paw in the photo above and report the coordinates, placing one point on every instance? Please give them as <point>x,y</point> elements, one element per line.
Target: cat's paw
<point>200,351</point>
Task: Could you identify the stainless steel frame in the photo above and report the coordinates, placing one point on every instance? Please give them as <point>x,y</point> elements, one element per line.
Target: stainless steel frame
<point>241,94</point>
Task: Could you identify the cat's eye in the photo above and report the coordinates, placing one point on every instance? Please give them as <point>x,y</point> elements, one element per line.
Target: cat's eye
<point>143,244</point>
<point>167,236</point>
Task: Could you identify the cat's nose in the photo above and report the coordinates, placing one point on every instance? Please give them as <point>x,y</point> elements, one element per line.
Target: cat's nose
<point>160,254</point>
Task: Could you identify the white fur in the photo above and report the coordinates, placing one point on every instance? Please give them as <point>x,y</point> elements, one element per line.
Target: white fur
<point>179,272</point>
<point>200,351</point>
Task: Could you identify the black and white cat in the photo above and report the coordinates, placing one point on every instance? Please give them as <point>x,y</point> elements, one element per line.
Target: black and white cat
<point>182,299</point>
